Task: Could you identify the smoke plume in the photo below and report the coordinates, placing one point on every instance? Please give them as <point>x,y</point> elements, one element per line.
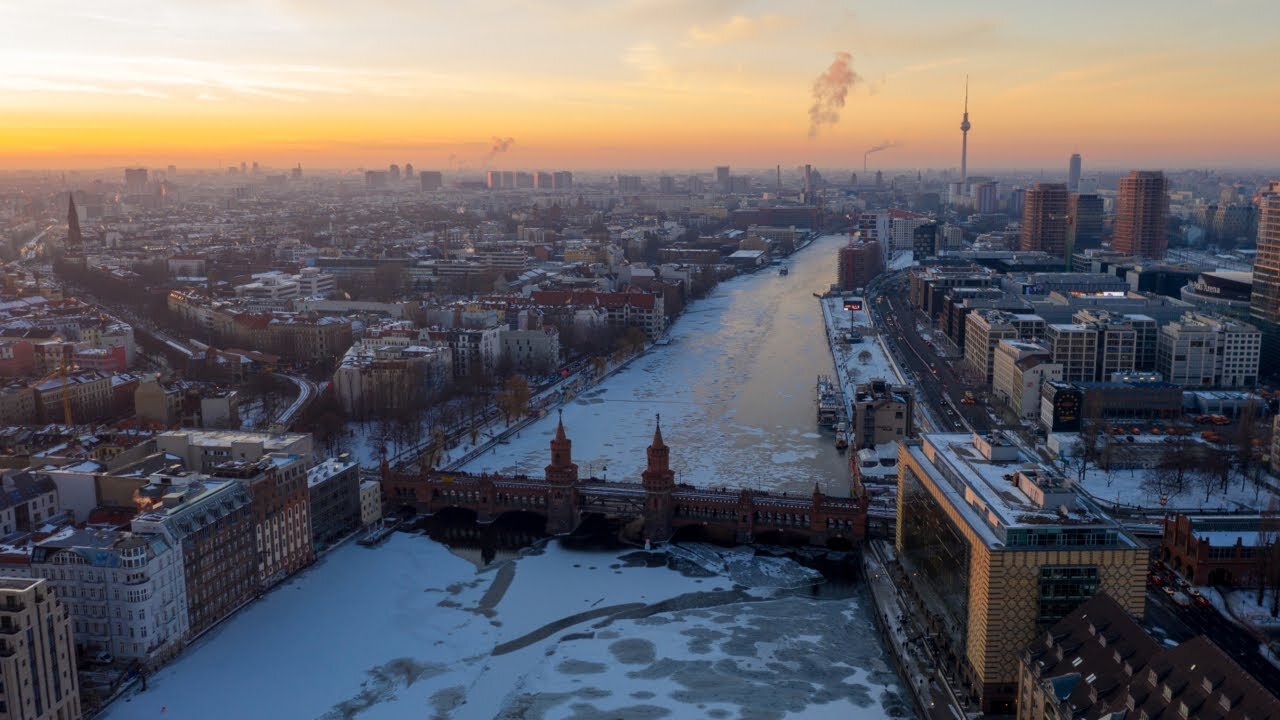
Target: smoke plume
<point>500,145</point>
<point>829,92</point>
<point>882,146</point>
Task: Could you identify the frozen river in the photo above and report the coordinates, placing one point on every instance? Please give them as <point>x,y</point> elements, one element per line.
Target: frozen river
<point>412,630</point>
<point>735,388</point>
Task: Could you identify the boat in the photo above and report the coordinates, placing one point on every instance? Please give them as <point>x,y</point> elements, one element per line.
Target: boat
<point>841,443</point>
<point>783,271</point>
<point>828,402</point>
<point>379,532</point>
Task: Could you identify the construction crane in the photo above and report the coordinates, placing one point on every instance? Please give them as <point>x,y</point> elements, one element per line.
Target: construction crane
<point>61,373</point>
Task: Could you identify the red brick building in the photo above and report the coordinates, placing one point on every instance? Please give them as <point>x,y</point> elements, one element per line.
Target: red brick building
<point>1219,550</point>
<point>277,483</point>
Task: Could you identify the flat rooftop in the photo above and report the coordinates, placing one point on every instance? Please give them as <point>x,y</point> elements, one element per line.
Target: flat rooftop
<point>993,499</point>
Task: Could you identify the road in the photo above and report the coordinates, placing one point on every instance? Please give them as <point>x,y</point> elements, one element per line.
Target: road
<point>1184,622</point>
<point>937,385</point>
<point>307,392</point>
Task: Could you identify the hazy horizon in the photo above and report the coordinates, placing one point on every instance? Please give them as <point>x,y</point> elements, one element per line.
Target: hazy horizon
<point>646,84</point>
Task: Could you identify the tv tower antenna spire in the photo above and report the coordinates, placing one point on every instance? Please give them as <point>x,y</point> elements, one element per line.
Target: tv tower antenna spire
<point>964,134</point>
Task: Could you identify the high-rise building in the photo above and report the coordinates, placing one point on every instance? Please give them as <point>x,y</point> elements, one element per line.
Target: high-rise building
<point>629,183</point>
<point>562,180</point>
<point>666,184</point>
<point>1084,228</point>
<point>1044,219</point>
<point>998,548</point>
<point>431,180</point>
<point>38,678</point>
<point>408,171</point>
<point>722,178</point>
<point>393,172</point>
<point>1265,298</point>
<point>859,262</point>
<point>1073,173</point>
<point>135,180</point>
<point>1142,213</point>
<point>543,180</point>
<point>964,134</point>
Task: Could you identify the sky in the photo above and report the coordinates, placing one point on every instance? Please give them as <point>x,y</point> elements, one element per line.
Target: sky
<point>653,84</point>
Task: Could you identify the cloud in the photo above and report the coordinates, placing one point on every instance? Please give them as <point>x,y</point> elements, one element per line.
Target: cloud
<point>647,58</point>
<point>735,29</point>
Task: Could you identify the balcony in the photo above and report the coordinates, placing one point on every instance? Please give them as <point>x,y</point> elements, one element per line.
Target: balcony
<point>9,629</point>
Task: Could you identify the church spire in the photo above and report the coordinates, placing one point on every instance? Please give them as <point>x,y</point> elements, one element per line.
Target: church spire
<point>73,223</point>
<point>657,434</point>
<point>562,451</point>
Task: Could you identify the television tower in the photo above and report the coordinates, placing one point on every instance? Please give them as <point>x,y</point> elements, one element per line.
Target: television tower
<point>964,134</point>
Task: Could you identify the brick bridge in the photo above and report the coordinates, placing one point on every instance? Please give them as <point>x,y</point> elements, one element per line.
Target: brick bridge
<point>664,505</point>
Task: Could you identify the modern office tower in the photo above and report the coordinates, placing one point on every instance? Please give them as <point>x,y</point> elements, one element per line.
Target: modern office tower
<point>1142,213</point>
<point>375,179</point>
<point>924,241</point>
<point>1265,298</point>
<point>985,328</point>
<point>431,179</point>
<point>543,180</point>
<point>997,548</point>
<point>38,678</point>
<point>524,180</point>
<point>393,172</point>
<point>493,179</point>
<point>562,180</point>
<point>1084,222</point>
<point>666,184</point>
<point>135,180</point>
<point>408,171</point>
<point>1073,173</point>
<point>1044,219</point>
<point>629,183</point>
<point>986,198</point>
<point>722,178</point>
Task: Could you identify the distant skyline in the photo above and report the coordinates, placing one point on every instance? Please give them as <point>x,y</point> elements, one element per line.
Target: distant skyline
<point>600,84</point>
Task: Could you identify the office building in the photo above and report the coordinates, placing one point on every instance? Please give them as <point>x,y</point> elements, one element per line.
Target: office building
<point>376,179</point>
<point>998,548</point>
<point>431,180</point>
<point>1074,346</point>
<point>333,487</point>
<point>1265,300</point>
<point>1073,173</point>
<point>1044,219</point>
<point>985,328</point>
<point>38,678</point>
<point>1209,352</point>
<point>202,449</point>
<point>1142,215</point>
<point>723,181</point>
<point>1084,222</point>
<point>1021,367</point>
<point>281,512</point>
<point>135,180</point>
<point>924,240</point>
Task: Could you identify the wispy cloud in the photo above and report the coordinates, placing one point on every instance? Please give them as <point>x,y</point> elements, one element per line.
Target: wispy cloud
<point>647,58</point>
<point>735,29</point>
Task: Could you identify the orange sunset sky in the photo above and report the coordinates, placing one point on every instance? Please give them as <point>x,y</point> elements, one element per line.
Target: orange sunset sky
<point>635,83</point>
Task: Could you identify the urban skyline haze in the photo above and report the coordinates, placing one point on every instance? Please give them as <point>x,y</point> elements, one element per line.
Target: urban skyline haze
<point>633,83</point>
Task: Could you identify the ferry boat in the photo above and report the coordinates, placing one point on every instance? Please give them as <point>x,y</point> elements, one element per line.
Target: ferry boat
<point>828,402</point>
<point>842,436</point>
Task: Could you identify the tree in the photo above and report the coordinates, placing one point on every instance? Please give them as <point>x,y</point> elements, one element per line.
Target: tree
<point>1173,470</point>
<point>513,400</point>
<point>1248,441</point>
<point>864,357</point>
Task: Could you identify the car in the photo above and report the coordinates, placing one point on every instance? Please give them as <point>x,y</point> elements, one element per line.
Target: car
<point>1168,590</point>
<point>1201,601</point>
<point>1156,580</point>
<point>102,657</point>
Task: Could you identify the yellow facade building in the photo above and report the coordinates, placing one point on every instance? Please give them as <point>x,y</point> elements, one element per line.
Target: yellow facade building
<point>997,548</point>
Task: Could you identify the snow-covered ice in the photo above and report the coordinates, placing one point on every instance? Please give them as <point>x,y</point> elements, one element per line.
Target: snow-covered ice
<point>410,630</point>
<point>735,388</point>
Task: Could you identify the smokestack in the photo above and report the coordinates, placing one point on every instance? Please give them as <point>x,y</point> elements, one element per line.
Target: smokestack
<point>779,170</point>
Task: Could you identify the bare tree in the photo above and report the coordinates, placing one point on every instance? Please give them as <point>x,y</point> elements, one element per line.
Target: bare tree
<point>1172,472</point>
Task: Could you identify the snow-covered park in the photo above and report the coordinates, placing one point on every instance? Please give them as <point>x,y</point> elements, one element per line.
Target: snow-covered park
<point>411,630</point>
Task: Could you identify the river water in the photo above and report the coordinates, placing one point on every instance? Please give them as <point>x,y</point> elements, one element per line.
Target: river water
<point>735,390</point>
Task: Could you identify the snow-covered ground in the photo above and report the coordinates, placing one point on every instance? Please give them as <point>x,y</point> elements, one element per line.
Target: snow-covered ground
<point>735,388</point>
<point>1132,487</point>
<point>410,630</point>
<point>1244,606</point>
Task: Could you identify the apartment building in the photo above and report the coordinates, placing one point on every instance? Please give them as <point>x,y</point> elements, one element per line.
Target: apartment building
<point>372,379</point>
<point>202,449</point>
<point>126,594</point>
<point>87,393</point>
<point>27,500</point>
<point>277,483</point>
<point>333,490</point>
<point>212,522</point>
<point>38,678</point>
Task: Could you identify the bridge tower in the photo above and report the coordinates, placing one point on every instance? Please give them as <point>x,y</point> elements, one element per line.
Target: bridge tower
<point>659,480</point>
<point>562,477</point>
